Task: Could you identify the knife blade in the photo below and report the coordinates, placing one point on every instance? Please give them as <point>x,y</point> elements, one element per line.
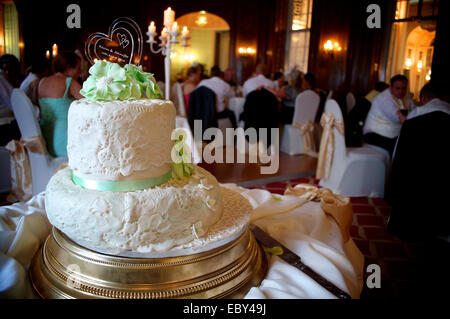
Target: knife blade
<point>293,259</point>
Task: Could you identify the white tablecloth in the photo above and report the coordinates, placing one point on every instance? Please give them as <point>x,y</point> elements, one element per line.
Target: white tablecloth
<point>300,225</point>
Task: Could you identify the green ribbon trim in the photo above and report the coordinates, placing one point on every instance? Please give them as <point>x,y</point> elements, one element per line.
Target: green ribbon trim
<point>121,186</point>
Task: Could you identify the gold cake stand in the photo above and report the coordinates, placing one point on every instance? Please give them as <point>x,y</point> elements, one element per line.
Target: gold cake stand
<point>63,269</point>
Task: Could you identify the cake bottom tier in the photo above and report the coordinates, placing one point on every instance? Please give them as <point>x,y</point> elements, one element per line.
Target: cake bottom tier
<point>64,269</point>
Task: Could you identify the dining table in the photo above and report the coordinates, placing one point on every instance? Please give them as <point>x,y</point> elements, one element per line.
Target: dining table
<point>299,220</point>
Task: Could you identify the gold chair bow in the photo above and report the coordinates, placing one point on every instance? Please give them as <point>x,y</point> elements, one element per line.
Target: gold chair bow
<point>21,179</point>
<point>336,206</point>
<point>306,130</point>
<point>326,150</point>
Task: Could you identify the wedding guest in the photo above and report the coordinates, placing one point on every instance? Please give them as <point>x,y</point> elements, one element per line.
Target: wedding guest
<point>288,102</point>
<point>223,93</point>
<point>9,79</point>
<point>38,69</point>
<point>431,102</point>
<point>258,81</point>
<point>190,84</point>
<point>384,120</point>
<point>56,93</point>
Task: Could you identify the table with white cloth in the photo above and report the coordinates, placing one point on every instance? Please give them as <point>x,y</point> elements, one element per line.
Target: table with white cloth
<point>236,104</point>
<point>300,225</point>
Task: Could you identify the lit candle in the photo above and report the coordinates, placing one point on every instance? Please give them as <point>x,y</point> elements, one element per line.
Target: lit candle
<point>175,27</point>
<point>47,54</point>
<point>185,32</point>
<point>169,17</point>
<point>151,27</point>
<point>54,50</point>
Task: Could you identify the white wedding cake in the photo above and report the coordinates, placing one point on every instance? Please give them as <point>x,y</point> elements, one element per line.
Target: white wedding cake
<point>121,191</point>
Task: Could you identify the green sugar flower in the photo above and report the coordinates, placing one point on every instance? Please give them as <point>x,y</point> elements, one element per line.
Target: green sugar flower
<point>146,81</point>
<point>109,81</point>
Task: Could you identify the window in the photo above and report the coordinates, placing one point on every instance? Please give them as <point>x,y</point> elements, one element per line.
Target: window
<point>412,42</point>
<point>11,29</point>
<point>299,29</point>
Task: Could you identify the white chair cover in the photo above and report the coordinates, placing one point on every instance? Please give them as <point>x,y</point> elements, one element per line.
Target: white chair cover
<point>236,104</point>
<point>179,99</point>
<point>196,150</point>
<point>350,101</point>
<point>42,165</point>
<point>306,105</point>
<point>359,171</point>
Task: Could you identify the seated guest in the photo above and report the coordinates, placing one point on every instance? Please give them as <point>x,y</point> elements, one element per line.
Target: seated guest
<point>39,68</point>
<point>190,84</point>
<point>290,95</point>
<point>258,81</point>
<point>278,80</point>
<point>56,93</point>
<point>415,194</point>
<point>430,102</point>
<point>9,79</point>
<point>384,120</point>
<point>223,93</point>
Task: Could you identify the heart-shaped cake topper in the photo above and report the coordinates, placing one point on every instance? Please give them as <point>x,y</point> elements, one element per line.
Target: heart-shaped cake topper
<point>123,44</point>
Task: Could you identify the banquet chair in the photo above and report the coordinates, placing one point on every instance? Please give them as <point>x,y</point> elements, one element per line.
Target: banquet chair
<point>350,101</point>
<point>196,148</point>
<point>5,171</point>
<point>179,99</point>
<point>306,105</point>
<point>42,165</point>
<point>355,171</point>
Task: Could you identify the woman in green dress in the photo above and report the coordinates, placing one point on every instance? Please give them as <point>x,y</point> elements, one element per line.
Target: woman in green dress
<point>56,93</point>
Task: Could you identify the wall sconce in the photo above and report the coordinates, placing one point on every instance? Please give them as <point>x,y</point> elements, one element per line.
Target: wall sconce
<point>428,76</point>
<point>201,20</point>
<point>408,63</point>
<point>419,65</point>
<point>331,47</point>
<point>246,51</point>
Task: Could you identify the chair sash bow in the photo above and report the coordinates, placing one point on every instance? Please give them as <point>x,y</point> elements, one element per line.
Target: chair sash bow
<point>336,206</point>
<point>326,150</point>
<point>306,130</point>
<point>21,179</point>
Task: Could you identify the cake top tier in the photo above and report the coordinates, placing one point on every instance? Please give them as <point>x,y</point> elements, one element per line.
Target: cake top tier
<point>111,82</point>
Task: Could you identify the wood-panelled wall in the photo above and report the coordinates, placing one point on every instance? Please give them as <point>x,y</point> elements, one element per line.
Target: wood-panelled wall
<point>356,68</point>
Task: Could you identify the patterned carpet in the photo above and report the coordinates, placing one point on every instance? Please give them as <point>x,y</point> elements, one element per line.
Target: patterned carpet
<point>395,257</point>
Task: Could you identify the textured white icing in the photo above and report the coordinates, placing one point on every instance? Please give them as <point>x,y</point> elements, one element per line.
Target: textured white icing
<point>120,140</point>
<point>156,219</point>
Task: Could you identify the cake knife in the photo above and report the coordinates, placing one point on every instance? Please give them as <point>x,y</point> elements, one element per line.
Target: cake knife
<point>291,258</point>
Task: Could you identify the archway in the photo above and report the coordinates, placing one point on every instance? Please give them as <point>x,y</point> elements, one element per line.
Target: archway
<point>209,43</point>
<point>418,57</point>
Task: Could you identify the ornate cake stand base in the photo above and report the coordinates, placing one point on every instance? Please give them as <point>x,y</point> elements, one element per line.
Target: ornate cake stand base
<point>64,269</point>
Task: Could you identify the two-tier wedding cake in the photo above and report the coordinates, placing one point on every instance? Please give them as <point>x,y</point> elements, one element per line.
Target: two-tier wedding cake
<point>122,191</point>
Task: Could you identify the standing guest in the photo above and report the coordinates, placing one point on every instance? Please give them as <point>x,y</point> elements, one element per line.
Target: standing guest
<point>223,93</point>
<point>190,84</point>
<point>56,93</point>
<point>39,68</point>
<point>258,81</point>
<point>9,79</point>
<point>384,120</point>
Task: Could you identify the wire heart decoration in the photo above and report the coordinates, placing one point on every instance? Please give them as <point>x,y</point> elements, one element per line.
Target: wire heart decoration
<point>122,44</point>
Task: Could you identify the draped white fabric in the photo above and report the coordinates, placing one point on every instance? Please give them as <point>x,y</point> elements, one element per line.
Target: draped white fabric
<point>297,223</point>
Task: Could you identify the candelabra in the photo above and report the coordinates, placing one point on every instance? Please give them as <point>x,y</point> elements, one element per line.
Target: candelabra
<point>168,40</point>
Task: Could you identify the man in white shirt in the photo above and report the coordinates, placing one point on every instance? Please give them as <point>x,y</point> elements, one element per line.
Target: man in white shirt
<point>257,81</point>
<point>223,93</point>
<point>384,120</point>
<point>430,102</point>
